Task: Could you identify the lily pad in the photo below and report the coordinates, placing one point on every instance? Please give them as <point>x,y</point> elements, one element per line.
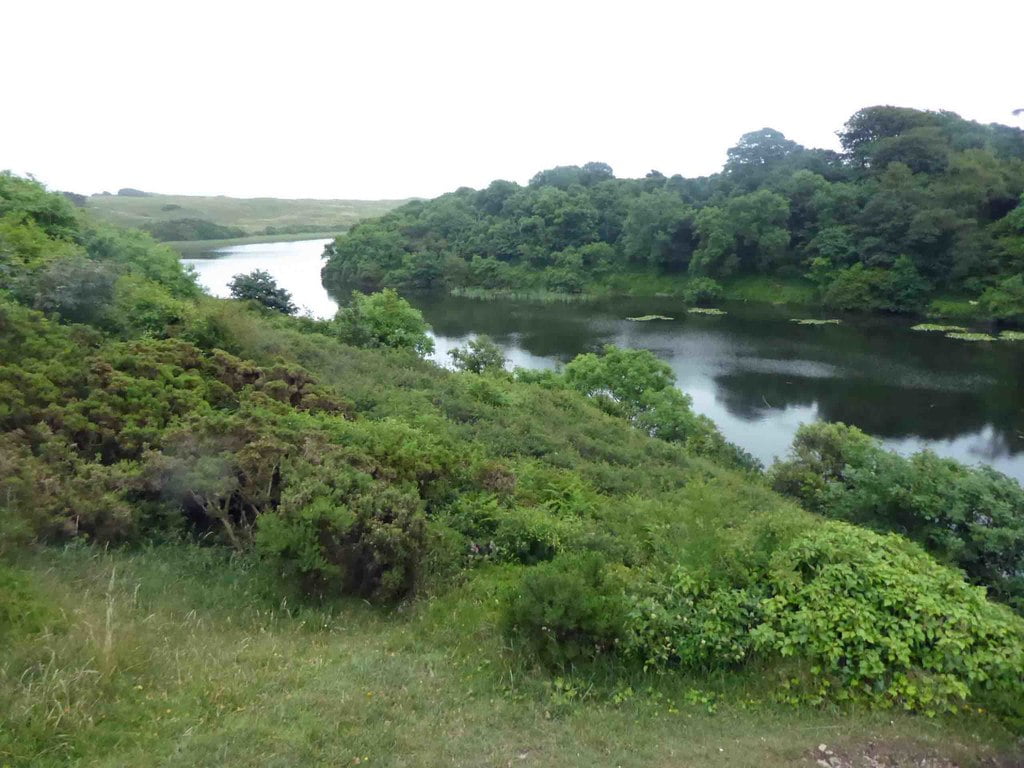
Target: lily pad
<point>1011,336</point>
<point>705,311</point>
<point>813,321</point>
<point>939,328</point>
<point>648,318</point>
<point>970,336</point>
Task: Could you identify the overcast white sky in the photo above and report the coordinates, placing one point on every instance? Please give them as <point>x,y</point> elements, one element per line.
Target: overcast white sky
<point>395,99</point>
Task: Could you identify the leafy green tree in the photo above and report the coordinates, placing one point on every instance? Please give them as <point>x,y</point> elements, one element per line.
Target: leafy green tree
<point>659,230</point>
<point>260,287</point>
<point>1005,301</point>
<point>479,355</point>
<point>383,319</point>
<point>761,148</point>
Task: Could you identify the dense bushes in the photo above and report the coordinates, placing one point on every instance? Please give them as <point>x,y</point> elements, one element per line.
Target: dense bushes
<point>383,319</point>
<point>972,518</point>
<point>871,617</point>
<point>636,385</point>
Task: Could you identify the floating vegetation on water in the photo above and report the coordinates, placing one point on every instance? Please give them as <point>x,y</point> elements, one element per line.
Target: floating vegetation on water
<point>941,328</point>
<point>813,321</point>
<point>705,311</point>
<point>1011,336</point>
<point>970,336</point>
<point>646,318</point>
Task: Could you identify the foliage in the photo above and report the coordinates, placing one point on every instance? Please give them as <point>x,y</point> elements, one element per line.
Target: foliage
<point>259,286</point>
<point>970,517</point>
<point>567,611</point>
<point>702,291</point>
<point>917,204</point>
<point>343,532</point>
<point>479,355</point>
<point>881,621</point>
<point>383,319</point>
<point>1005,301</point>
<point>23,611</point>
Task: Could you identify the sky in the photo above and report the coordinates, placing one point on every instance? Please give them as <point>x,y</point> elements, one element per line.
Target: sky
<point>382,99</point>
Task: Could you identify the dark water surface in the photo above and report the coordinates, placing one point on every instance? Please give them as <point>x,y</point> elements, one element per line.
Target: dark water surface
<point>755,373</point>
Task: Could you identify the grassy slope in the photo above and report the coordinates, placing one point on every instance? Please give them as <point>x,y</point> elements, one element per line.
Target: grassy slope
<point>219,670</point>
<point>252,214</point>
<point>215,673</point>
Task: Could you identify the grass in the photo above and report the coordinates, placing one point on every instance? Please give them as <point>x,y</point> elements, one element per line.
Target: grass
<point>706,311</point>
<point>756,288</point>
<point>648,318</point>
<point>539,295</point>
<point>196,247</point>
<point>953,308</point>
<point>770,290</point>
<point>214,672</point>
<point>253,215</point>
<point>814,321</point>
<point>1011,336</point>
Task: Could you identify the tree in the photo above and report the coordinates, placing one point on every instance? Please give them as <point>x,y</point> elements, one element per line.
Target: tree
<point>259,286</point>
<point>479,355</point>
<point>383,319</point>
<point>761,148</point>
<point>659,231</point>
<point>1005,301</point>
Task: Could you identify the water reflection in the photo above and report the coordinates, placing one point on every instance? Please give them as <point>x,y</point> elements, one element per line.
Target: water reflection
<point>295,265</point>
<point>756,374</point>
<point>759,376</point>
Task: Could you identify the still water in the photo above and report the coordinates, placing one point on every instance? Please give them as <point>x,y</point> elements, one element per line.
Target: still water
<point>755,373</point>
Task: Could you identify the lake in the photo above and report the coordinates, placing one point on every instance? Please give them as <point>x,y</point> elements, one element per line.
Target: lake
<point>753,371</point>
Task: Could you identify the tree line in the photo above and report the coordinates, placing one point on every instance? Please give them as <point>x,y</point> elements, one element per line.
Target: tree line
<point>917,205</point>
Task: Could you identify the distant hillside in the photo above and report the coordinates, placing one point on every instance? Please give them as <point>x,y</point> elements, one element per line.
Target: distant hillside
<point>185,217</point>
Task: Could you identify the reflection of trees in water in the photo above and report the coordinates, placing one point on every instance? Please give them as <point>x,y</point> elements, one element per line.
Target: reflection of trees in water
<point>881,409</point>
<point>547,330</point>
<point>870,372</point>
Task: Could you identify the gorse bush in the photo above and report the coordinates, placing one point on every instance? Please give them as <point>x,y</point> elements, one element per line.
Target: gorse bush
<point>342,532</point>
<point>567,611</point>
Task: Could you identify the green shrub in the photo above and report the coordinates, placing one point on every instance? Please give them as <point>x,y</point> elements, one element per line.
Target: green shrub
<point>1004,301</point>
<point>702,292</point>
<point>260,287</point>
<point>478,355</point>
<point>23,610</point>
<point>341,532</point>
<point>897,289</point>
<point>383,319</point>
<point>971,517</point>
<point>677,620</point>
<point>881,621</point>
<point>567,611</point>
